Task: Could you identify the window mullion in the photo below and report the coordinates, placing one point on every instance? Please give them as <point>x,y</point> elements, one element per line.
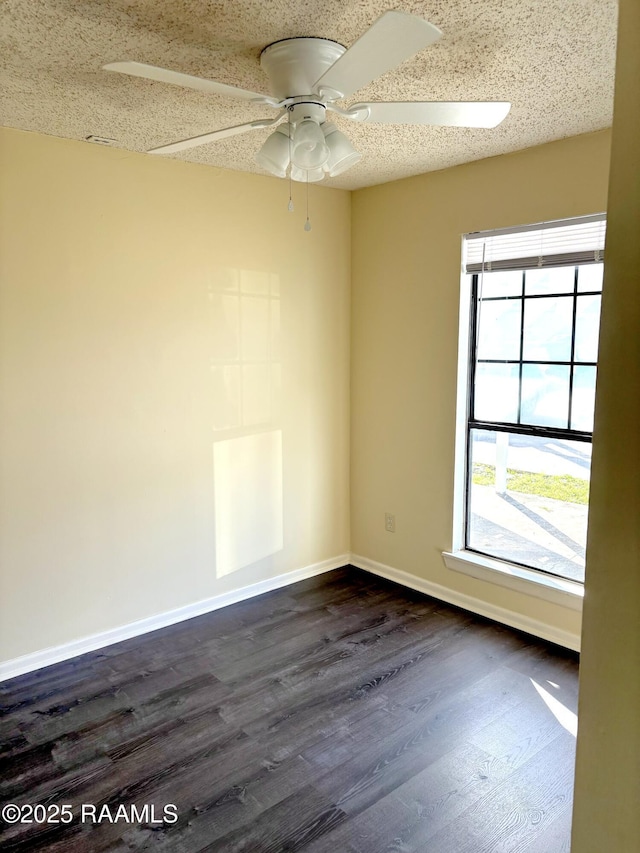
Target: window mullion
<point>519,414</point>
<point>573,346</point>
<point>537,431</point>
<point>473,353</point>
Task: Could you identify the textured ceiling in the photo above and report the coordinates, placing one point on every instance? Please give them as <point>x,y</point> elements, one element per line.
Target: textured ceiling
<point>553,59</point>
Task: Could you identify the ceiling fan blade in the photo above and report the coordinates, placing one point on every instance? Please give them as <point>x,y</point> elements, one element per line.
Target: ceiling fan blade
<point>195,141</point>
<point>176,78</point>
<point>394,37</point>
<point>443,113</point>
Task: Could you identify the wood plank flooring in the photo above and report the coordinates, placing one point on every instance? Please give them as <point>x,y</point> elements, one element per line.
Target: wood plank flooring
<point>343,714</point>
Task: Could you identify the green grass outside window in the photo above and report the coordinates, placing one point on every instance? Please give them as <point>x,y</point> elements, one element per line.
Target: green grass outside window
<point>559,487</point>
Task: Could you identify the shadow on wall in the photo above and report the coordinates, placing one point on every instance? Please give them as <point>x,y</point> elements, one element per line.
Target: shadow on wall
<point>247,448</point>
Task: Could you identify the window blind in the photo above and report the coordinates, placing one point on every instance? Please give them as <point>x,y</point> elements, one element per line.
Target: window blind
<point>565,242</point>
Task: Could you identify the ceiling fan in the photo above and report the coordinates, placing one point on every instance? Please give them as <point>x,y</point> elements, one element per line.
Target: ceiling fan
<point>307,77</point>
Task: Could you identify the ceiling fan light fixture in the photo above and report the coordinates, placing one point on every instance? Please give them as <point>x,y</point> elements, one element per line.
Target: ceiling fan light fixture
<point>309,150</point>
<point>342,154</point>
<point>274,154</point>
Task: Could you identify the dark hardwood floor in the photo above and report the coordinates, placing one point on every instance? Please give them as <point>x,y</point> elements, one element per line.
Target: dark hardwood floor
<point>343,714</point>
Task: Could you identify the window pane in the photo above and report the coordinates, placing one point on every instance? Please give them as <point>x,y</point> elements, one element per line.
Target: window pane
<point>590,277</point>
<point>545,395</point>
<point>547,328</point>
<point>500,284</point>
<point>496,393</point>
<point>499,332</point>
<point>551,280</point>
<point>587,327</point>
<point>528,500</point>
<point>583,398</point>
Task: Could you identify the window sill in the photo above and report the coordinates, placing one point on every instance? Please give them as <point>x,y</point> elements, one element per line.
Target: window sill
<point>527,581</point>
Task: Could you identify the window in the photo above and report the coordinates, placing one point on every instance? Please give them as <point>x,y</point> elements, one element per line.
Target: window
<point>534,312</point>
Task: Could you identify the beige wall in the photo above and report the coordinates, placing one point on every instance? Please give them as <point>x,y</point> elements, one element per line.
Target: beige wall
<point>607,788</point>
<point>141,297</point>
<point>405,302</point>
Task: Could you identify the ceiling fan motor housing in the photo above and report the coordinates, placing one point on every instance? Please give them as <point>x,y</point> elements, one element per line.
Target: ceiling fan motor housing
<point>294,65</point>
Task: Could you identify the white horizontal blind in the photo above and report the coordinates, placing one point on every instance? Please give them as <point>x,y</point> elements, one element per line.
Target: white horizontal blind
<point>565,242</point>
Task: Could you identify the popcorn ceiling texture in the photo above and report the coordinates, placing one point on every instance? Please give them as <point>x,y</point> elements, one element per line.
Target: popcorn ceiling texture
<point>553,59</point>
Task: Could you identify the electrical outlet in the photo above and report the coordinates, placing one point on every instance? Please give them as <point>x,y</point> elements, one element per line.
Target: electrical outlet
<point>389,522</point>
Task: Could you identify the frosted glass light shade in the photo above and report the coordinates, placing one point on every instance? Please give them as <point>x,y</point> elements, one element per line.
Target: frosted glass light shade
<point>304,175</point>
<point>274,154</point>
<point>309,150</point>
<point>342,154</point>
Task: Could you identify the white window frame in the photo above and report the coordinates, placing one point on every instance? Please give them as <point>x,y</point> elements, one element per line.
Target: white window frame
<point>556,590</point>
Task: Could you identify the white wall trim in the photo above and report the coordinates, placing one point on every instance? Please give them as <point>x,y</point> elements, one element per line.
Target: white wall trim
<point>462,403</point>
<point>536,627</point>
<point>56,654</point>
<point>566,593</point>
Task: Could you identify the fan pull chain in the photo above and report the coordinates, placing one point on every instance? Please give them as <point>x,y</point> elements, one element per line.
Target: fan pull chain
<point>307,224</point>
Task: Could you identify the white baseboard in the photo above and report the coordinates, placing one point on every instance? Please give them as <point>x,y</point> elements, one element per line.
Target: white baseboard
<point>56,654</point>
<point>566,639</point>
